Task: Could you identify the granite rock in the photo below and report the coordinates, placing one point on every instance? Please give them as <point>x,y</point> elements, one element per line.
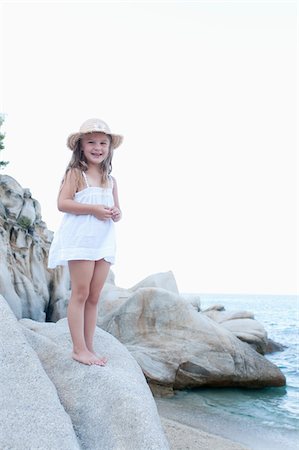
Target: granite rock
<point>110,407</point>
<point>31,415</point>
<point>179,347</point>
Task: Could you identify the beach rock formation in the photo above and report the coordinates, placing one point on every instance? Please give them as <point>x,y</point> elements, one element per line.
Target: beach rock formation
<point>242,325</point>
<point>176,344</point>
<point>31,414</point>
<point>50,401</point>
<point>25,282</point>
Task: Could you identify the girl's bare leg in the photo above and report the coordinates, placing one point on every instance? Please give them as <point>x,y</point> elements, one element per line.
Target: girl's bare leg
<point>100,273</point>
<point>81,273</point>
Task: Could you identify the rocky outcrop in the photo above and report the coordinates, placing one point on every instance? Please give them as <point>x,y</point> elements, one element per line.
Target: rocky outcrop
<point>242,325</point>
<point>28,286</point>
<point>176,343</point>
<point>31,414</point>
<point>179,347</point>
<point>49,401</point>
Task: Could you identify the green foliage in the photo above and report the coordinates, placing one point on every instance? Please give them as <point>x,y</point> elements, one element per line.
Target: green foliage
<point>24,222</point>
<point>2,136</point>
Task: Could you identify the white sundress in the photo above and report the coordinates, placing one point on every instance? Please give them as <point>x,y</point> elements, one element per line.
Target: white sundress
<point>83,236</point>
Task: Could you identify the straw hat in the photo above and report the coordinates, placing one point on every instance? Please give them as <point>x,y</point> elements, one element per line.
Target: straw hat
<point>93,126</point>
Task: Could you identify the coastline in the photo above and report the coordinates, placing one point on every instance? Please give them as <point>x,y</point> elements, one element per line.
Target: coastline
<point>188,428</point>
<point>184,437</point>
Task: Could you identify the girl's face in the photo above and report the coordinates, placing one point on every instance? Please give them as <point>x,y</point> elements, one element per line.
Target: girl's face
<point>95,147</point>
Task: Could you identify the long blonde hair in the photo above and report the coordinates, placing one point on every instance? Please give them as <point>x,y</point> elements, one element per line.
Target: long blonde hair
<point>78,161</point>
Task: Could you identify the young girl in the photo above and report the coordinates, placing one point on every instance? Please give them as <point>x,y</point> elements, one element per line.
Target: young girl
<point>85,240</point>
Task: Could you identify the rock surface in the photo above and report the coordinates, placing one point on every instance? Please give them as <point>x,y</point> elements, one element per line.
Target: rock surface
<point>49,401</point>
<point>31,415</point>
<point>242,325</point>
<point>179,347</point>
<point>176,344</point>
<point>110,407</point>
<point>25,282</point>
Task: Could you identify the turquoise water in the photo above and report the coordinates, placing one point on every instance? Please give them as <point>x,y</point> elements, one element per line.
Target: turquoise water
<point>261,419</point>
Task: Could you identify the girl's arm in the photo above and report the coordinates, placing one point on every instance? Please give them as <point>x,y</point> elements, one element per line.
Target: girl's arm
<point>116,212</point>
<point>66,202</point>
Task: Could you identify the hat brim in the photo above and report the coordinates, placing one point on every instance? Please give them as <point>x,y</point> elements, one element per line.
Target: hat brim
<point>116,139</point>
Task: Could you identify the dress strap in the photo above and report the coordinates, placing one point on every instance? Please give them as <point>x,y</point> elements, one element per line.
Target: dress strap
<point>85,178</point>
<point>111,181</point>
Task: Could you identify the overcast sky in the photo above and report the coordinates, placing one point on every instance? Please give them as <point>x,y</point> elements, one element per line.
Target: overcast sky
<point>205,96</point>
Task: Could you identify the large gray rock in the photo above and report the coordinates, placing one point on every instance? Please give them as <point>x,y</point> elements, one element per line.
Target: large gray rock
<point>179,347</point>
<point>242,324</point>
<point>31,415</point>
<point>113,297</point>
<point>111,407</point>
<point>29,287</point>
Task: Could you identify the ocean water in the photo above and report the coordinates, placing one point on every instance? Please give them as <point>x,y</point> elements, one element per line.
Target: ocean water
<point>260,419</point>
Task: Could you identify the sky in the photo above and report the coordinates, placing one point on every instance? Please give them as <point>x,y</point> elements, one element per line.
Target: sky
<point>205,94</point>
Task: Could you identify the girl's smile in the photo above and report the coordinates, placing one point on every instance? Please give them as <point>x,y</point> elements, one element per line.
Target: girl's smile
<point>95,147</point>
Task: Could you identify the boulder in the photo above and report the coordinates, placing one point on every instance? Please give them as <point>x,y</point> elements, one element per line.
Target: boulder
<point>179,347</point>
<point>110,407</point>
<point>12,196</point>
<point>113,297</point>
<point>30,288</point>
<point>242,324</point>
<point>31,415</point>
<point>273,347</point>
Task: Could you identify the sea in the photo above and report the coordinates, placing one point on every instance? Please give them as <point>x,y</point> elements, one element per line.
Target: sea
<point>260,419</point>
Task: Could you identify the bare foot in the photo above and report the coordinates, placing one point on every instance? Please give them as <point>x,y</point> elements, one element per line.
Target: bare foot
<point>88,358</point>
<point>102,360</point>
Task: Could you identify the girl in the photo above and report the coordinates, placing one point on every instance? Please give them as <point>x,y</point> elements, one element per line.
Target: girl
<point>85,240</point>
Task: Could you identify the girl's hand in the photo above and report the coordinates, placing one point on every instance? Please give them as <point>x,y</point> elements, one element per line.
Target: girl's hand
<point>116,214</point>
<point>102,212</point>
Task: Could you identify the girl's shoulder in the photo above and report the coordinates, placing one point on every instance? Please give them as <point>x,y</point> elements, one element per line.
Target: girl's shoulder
<point>112,181</point>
